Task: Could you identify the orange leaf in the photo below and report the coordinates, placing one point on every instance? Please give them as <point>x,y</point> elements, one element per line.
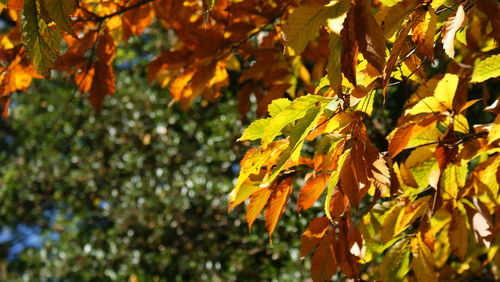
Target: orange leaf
<point>311,191</point>
<point>106,48</point>
<point>276,205</point>
<point>324,263</point>
<point>400,139</point>
<point>257,203</point>
<point>423,33</point>
<point>103,83</point>
<point>338,204</point>
<point>136,20</point>
<point>313,235</point>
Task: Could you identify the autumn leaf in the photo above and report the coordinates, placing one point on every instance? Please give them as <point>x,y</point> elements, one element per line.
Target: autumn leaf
<point>486,69</point>
<point>276,205</point>
<point>257,202</point>
<point>41,40</point>
<point>319,238</point>
<point>313,235</point>
<point>391,18</point>
<point>422,263</point>
<point>371,40</point>
<point>423,33</point>
<point>449,30</point>
<point>59,11</point>
<point>304,23</point>
<point>395,264</point>
<point>458,234</point>
<point>311,191</point>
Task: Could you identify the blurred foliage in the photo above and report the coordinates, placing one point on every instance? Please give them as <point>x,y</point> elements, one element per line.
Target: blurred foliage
<point>137,190</point>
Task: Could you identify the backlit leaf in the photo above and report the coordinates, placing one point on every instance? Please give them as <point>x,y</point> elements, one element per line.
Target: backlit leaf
<point>311,191</point>
<point>41,41</point>
<point>59,11</point>
<point>458,234</point>
<point>449,30</point>
<point>486,69</point>
<point>296,110</point>
<point>423,33</point>
<point>257,202</point>
<point>277,203</point>
<point>304,23</point>
<point>395,264</point>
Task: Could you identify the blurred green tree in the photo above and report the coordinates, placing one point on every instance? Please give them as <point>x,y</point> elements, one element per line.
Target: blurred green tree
<point>138,190</point>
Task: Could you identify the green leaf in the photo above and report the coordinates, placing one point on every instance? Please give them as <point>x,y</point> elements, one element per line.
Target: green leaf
<point>298,134</point>
<point>41,41</point>
<point>255,130</point>
<point>333,67</point>
<point>277,106</point>
<point>486,69</point>
<point>59,11</point>
<point>395,264</point>
<point>305,21</point>
<point>296,110</point>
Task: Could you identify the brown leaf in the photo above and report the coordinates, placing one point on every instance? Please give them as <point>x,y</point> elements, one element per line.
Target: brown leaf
<point>311,191</point>
<point>324,263</point>
<point>313,235</point>
<point>393,56</point>
<point>400,139</point>
<point>371,40</point>
<point>450,28</point>
<point>276,205</point>
<point>349,181</point>
<point>338,204</point>
<point>349,59</point>
<point>103,83</point>
<point>491,9</point>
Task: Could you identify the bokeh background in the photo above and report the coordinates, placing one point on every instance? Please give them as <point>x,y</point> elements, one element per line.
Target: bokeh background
<point>137,191</point>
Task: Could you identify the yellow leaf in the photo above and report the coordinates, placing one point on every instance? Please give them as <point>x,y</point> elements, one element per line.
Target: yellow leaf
<point>423,263</point>
<point>452,179</point>
<point>296,110</point>
<point>305,21</point>
<point>460,124</point>
<point>333,67</point>
<point>255,130</point>
<point>486,69</point>
<point>445,90</point>
<point>238,196</point>
<point>458,233</point>
<point>277,106</point>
